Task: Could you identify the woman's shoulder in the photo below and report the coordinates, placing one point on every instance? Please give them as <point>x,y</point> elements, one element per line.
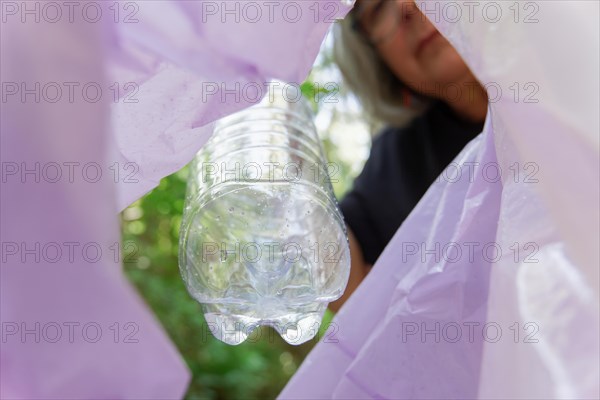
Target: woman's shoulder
<point>422,148</point>
<point>419,125</point>
<point>397,140</point>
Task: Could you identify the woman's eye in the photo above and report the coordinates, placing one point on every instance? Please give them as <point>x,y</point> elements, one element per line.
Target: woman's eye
<point>407,13</point>
<point>373,14</point>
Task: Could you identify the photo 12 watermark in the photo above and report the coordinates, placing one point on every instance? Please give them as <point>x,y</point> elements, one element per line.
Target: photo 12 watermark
<point>268,171</point>
<point>69,332</point>
<point>254,92</point>
<point>469,331</point>
<point>53,12</point>
<point>269,12</point>
<point>270,252</point>
<point>469,252</point>
<point>515,92</point>
<point>52,92</point>
<point>254,333</point>
<point>525,12</point>
<point>490,172</point>
<point>68,252</point>
<point>68,172</point>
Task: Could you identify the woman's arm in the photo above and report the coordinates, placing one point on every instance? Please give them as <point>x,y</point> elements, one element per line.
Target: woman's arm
<point>358,270</point>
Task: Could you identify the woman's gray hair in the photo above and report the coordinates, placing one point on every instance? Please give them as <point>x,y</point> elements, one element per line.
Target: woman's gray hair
<point>371,80</point>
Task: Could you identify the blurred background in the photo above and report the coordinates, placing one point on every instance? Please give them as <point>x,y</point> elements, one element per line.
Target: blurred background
<point>261,367</point>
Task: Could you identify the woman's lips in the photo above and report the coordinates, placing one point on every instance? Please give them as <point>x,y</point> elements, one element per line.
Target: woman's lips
<point>426,40</point>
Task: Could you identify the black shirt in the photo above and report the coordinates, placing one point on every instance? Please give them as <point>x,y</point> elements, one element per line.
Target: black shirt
<point>402,165</point>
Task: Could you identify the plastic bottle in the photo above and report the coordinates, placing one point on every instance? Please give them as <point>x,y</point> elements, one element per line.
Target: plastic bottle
<point>262,239</point>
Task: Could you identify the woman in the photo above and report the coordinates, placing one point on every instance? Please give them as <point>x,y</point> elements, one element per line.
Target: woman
<point>411,79</point>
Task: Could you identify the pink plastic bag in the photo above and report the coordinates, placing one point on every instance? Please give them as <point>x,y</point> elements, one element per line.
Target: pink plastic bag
<point>72,326</point>
<point>490,288</point>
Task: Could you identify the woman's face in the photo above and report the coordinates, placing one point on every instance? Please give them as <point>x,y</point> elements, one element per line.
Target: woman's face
<point>410,45</point>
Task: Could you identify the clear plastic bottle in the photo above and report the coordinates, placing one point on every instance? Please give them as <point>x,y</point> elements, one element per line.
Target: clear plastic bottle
<point>262,239</point>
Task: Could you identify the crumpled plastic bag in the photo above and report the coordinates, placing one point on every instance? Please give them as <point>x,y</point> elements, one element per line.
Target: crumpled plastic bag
<point>489,289</point>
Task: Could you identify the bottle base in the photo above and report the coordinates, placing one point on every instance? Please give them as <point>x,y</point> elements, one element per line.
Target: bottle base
<point>296,327</point>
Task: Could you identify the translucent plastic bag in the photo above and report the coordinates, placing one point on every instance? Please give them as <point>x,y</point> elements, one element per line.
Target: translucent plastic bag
<point>490,288</point>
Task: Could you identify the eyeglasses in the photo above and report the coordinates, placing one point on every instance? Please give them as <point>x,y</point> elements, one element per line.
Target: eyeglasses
<point>378,20</point>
